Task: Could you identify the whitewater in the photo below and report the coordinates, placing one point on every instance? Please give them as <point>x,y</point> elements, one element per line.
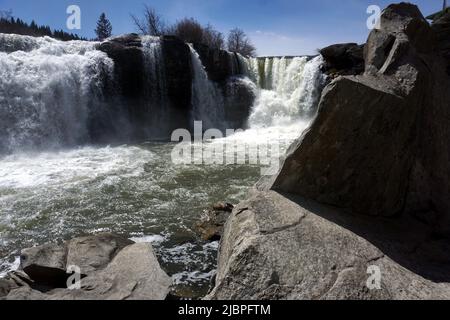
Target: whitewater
<point>54,185</point>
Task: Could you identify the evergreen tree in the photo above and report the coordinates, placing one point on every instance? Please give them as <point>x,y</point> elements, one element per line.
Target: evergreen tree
<point>104,28</point>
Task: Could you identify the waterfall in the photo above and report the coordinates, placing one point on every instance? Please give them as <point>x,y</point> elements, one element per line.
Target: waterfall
<point>157,123</point>
<point>154,69</point>
<point>289,89</point>
<point>207,99</point>
<point>48,90</point>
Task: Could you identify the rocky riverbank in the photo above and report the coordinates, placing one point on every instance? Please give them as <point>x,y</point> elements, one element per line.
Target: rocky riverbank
<point>360,208</point>
<point>106,266</point>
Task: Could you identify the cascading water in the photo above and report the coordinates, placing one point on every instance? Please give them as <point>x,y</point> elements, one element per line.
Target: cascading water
<point>289,89</point>
<point>207,100</point>
<point>48,90</point>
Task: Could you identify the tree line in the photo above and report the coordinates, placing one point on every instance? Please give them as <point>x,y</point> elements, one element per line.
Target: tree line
<point>9,24</point>
<point>149,23</point>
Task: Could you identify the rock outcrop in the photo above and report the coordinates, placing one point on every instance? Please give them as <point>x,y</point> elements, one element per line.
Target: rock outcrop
<point>279,246</point>
<point>363,194</point>
<point>131,77</point>
<point>111,268</point>
<point>240,95</point>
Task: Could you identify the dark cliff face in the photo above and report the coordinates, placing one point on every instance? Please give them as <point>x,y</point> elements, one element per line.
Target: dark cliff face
<point>126,52</point>
<point>343,59</point>
<point>219,64</point>
<point>441,27</point>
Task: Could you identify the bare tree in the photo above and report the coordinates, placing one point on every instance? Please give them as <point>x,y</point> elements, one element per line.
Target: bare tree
<point>6,14</point>
<point>151,23</point>
<point>189,30</point>
<point>213,38</point>
<point>239,42</point>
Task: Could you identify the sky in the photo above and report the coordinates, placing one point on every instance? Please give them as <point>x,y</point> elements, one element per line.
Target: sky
<point>276,27</point>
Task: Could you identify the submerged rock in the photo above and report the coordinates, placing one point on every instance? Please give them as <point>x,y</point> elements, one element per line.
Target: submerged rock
<point>210,228</point>
<point>111,268</point>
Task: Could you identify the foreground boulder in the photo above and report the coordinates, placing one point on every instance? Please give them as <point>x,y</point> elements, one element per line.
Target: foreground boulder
<point>278,247</point>
<point>360,208</point>
<point>211,226</point>
<point>112,268</point>
<point>441,27</point>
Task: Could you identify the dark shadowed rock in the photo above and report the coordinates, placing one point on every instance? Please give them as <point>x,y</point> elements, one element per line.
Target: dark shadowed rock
<point>362,151</point>
<point>343,59</point>
<point>219,64</point>
<point>441,27</point>
<point>379,154</point>
<point>278,247</point>
<point>240,94</point>
<point>126,52</point>
<point>94,253</point>
<point>46,264</point>
<point>178,67</point>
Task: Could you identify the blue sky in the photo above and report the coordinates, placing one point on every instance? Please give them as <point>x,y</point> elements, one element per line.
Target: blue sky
<point>277,27</point>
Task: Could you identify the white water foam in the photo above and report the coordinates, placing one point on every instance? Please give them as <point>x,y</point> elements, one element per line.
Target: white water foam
<point>48,91</point>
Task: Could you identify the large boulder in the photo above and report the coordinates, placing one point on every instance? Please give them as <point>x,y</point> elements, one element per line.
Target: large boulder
<point>343,59</point>
<point>219,64</point>
<point>382,137</point>
<point>111,267</point>
<point>277,247</point>
<point>240,95</point>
